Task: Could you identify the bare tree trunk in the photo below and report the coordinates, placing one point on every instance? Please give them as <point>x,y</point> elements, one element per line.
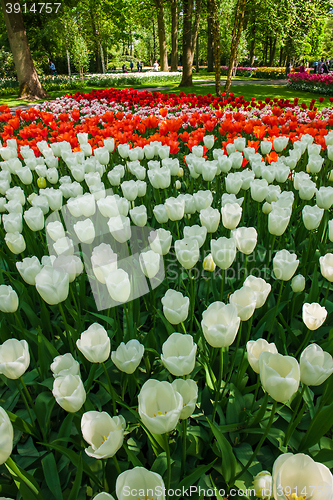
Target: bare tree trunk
<point>30,86</point>
<point>217,45</point>
<point>174,36</point>
<point>102,58</point>
<point>210,44</point>
<point>161,35</point>
<point>236,34</point>
<point>154,41</point>
<point>272,51</point>
<point>190,34</point>
<point>197,55</point>
<point>68,63</point>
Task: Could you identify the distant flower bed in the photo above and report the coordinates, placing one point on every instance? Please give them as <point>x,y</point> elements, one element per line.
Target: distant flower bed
<point>322,84</point>
<point>135,78</point>
<point>262,72</point>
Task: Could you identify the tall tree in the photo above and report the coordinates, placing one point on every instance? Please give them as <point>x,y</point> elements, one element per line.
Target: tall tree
<point>190,33</point>
<point>235,37</point>
<point>214,10</point>
<point>161,35</point>
<point>174,35</point>
<point>29,84</point>
<point>210,46</point>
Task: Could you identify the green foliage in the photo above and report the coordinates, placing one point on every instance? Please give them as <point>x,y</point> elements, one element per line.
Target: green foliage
<point>7,67</point>
<point>80,54</point>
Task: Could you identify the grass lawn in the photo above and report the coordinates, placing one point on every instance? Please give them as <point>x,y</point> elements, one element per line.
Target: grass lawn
<point>247,91</point>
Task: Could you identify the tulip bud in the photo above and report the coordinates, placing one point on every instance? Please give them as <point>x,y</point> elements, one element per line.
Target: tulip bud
<point>65,365</point>
<point>139,215</point>
<point>231,215</point>
<point>127,357</point>
<point>298,283</point>
<point>15,242</point>
<point>69,392</point>
<point>209,264</point>
<point>52,285</point>
<point>29,268</point>
<point>130,480</point>
<point>285,265</point>
<point>160,241</point>
<point>188,389</point>
<point>313,315</point>
<point>312,216</point>
<point>196,232</point>
<point>187,252</point>
<point>262,484</point>
<point>41,182</point>
<point>118,285</point>
<point>12,223</point>
<point>94,344</point>
<point>316,365</point>
<point>34,218</point>
<point>150,263</point>
<point>223,251</point>
<point>326,266</point>
<point>244,300</point>
<point>246,239</point>
<point>279,375</point>
<point>210,218</point>
<point>6,436</point>
<point>160,214</point>
<point>220,324</point>
<point>175,306</point>
<point>178,354</point>
<point>209,141</point>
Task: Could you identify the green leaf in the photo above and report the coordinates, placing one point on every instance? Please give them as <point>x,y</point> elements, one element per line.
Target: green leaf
<point>73,457</point>
<point>195,475</point>
<point>77,483</point>
<point>322,423</point>
<point>51,475</point>
<point>22,425</point>
<point>132,457</point>
<point>229,461</point>
<point>44,405</point>
<point>20,476</point>
<point>109,321</point>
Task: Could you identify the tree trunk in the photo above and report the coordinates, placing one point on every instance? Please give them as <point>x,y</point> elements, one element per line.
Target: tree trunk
<point>102,58</point>
<point>197,55</point>
<point>253,40</point>
<point>30,86</point>
<point>272,51</point>
<point>210,44</point>
<point>281,56</point>
<point>174,36</point>
<point>161,35</point>
<point>190,34</point>
<point>154,42</point>
<point>68,62</point>
<point>236,34</point>
<point>217,45</point>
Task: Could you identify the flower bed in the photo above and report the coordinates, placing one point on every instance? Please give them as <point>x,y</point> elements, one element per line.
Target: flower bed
<point>270,73</point>
<point>321,84</point>
<point>166,298</point>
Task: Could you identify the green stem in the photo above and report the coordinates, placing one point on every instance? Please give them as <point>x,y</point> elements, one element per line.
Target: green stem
<point>25,402</point>
<point>276,310</point>
<point>114,458</point>
<point>233,359</point>
<point>192,302</point>
<point>68,334</point>
<point>184,433</point>
<point>304,343</point>
<point>222,283</point>
<point>243,353</point>
<point>112,393</point>
<point>167,451</point>
<point>258,384</point>
<point>290,425</point>
<point>259,445</point>
<point>326,294</point>
<point>218,385</point>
